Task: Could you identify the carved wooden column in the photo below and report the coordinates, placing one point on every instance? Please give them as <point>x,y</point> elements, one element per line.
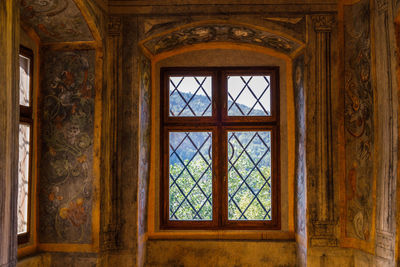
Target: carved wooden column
<point>323,221</point>
<point>386,130</point>
<point>112,188</point>
<point>9,114</point>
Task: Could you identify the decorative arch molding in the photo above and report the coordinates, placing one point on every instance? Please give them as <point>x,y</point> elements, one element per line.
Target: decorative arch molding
<point>221,31</point>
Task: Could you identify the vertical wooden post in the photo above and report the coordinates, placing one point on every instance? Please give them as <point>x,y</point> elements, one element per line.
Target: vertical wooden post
<point>386,105</point>
<point>9,116</point>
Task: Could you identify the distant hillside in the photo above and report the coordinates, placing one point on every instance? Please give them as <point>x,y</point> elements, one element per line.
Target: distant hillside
<point>199,104</point>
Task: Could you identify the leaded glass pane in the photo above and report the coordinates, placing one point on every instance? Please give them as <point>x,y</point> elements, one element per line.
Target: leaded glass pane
<point>249,96</point>
<point>23,177</point>
<point>24,80</point>
<point>190,96</point>
<point>249,175</point>
<point>190,176</point>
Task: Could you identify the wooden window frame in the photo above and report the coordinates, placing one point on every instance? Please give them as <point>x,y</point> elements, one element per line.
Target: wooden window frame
<point>219,123</point>
<point>26,117</point>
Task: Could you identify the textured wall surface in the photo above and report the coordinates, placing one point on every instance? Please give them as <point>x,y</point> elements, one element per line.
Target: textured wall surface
<point>300,195</point>
<point>66,179</point>
<point>220,253</point>
<point>359,133</point>
<point>144,156</point>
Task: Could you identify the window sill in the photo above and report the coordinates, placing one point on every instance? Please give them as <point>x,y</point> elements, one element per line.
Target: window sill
<point>222,235</point>
<point>25,250</point>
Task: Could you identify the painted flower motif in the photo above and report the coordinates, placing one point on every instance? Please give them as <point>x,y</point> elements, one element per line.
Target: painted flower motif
<point>60,167</point>
<point>202,32</point>
<point>84,141</point>
<point>75,212</point>
<point>82,158</point>
<point>240,33</point>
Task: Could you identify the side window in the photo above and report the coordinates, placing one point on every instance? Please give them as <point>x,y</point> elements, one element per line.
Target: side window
<point>220,148</point>
<point>25,143</point>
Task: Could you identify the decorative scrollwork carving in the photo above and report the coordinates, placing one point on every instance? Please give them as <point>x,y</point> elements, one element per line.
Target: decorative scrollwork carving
<point>381,5</point>
<point>221,32</point>
<point>323,22</point>
<point>114,25</point>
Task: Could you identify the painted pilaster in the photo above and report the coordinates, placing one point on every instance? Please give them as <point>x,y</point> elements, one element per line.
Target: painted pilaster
<point>112,187</point>
<point>323,220</point>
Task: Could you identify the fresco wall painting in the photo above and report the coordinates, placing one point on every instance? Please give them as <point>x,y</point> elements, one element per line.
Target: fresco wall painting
<point>359,135</point>
<point>66,169</point>
<point>55,20</point>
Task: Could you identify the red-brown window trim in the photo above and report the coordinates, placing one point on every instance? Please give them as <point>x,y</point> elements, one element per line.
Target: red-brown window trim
<point>219,123</point>
<point>26,117</point>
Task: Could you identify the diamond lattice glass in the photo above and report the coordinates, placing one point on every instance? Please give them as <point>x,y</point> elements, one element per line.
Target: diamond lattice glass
<point>23,177</point>
<point>190,176</point>
<point>190,96</point>
<point>249,175</point>
<point>249,96</point>
<point>24,80</point>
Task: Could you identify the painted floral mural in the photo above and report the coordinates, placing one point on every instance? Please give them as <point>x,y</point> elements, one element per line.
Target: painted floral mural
<point>55,20</point>
<point>67,117</point>
<point>358,122</point>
